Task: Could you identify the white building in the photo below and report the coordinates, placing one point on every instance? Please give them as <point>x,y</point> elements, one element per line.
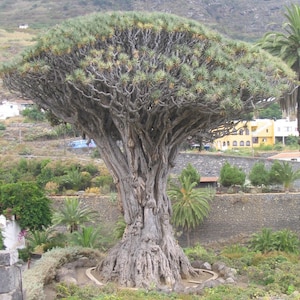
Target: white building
<point>284,128</point>
<point>8,109</point>
<point>12,234</point>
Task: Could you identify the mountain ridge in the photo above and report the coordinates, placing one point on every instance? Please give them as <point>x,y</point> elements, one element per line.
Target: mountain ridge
<point>238,19</point>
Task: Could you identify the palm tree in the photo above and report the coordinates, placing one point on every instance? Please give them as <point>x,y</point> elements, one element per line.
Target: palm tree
<point>284,173</point>
<point>89,237</point>
<point>73,214</point>
<point>286,45</point>
<point>191,205</point>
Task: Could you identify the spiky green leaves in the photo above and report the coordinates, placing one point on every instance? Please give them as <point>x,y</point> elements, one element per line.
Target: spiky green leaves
<point>149,61</point>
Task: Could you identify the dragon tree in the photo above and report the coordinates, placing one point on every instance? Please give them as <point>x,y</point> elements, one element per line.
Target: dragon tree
<point>139,84</point>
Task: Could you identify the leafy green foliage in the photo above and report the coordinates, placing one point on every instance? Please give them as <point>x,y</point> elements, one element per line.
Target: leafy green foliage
<point>40,241</point>
<point>34,114</point>
<point>28,202</point>
<point>119,228</point>
<point>291,140</point>
<point>259,175</point>
<point>283,173</point>
<point>89,237</point>
<point>1,241</point>
<point>267,240</point>
<point>285,44</point>
<point>73,213</point>
<point>231,175</point>
<point>191,172</point>
<point>190,205</point>
<point>2,126</point>
<point>270,112</point>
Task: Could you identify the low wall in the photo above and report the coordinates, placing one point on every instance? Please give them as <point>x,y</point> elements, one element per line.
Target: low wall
<point>239,215</point>
<point>231,215</point>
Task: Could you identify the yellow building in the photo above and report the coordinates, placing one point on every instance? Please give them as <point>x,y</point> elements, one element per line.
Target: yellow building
<point>249,134</point>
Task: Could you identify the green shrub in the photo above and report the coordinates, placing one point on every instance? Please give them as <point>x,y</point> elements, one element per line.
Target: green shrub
<point>231,175</point>
<point>199,253</point>
<point>33,114</point>
<point>2,126</point>
<point>263,241</point>
<point>1,241</point>
<point>267,240</point>
<point>119,228</point>
<point>259,175</point>
<point>24,254</point>
<point>191,172</point>
<point>89,237</point>
<point>28,202</point>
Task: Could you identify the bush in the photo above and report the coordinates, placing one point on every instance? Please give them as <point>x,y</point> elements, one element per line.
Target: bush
<point>259,175</point>
<point>33,114</point>
<point>231,175</point>
<point>28,202</point>
<point>191,172</point>
<point>267,241</point>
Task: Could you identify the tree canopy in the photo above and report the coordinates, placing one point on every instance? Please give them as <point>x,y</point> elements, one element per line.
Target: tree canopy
<point>152,65</point>
<point>139,84</point>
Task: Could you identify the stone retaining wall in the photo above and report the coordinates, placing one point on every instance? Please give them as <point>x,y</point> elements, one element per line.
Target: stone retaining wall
<point>231,215</point>
<point>240,215</point>
<point>209,164</point>
<point>10,276</point>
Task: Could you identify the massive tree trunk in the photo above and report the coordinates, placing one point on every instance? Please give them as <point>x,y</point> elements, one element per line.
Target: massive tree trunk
<point>148,254</point>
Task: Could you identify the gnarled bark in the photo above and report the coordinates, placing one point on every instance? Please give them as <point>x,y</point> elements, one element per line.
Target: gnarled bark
<point>148,254</point>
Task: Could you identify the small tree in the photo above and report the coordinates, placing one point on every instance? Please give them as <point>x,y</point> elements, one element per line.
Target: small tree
<point>73,214</point>
<point>259,175</point>
<point>190,171</point>
<point>231,175</point>
<point>28,202</point>
<point>190,205</point>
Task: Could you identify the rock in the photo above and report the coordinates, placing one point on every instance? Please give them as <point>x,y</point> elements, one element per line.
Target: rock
<point>230,280</point>
<point>218,266</point>
<point>197,264</point>
<point>211,283</point>
<point>69,279</point>
<point>206,266</point>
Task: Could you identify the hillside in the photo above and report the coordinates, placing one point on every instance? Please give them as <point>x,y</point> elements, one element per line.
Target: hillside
<point>240,19</point>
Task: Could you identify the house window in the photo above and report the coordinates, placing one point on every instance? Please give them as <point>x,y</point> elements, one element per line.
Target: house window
<point>228,143</point>
<point>267,130</point>
<point>224,143</point>
<point>248,143</point>
<point>241,132</point>
<point>255,140</point>
<point>242,144</point>
<point>234,143</point>
<point>247,131</point>
<point>234,131</point>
